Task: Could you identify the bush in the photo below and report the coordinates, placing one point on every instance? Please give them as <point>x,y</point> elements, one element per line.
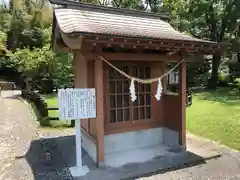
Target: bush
<point>46,69</point>
<point>38,101</point>
<point>223,79</point>
<point>197,74</point>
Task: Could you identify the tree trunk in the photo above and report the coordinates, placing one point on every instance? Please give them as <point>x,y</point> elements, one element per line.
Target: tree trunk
<point>214,76</point>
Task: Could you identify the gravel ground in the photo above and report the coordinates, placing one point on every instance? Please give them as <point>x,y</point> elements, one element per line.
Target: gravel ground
<point>22,153</point>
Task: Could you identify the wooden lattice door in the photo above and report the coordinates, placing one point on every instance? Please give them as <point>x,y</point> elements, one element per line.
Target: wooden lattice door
<point>121,110</point>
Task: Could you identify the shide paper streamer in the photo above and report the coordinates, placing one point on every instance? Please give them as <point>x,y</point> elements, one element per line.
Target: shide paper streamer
<point>132,91</point>
<point>159,90</point>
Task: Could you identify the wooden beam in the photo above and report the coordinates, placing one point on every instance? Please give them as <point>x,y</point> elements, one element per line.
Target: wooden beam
<point>132,57</point>
<point>183,91</point>
<point>146,45</point>
<point>192,46</point>
<point>100,111</point>
<point>170,42</point>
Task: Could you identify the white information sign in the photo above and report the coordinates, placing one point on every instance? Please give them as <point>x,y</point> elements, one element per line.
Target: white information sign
<point>77,103</point>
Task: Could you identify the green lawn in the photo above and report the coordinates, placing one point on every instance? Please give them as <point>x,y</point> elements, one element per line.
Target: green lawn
<point>216,115</point>
<point>238,80</point>
<point>52,102</point>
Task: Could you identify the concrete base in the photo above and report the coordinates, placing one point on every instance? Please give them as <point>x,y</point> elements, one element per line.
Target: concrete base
<point>134,147</point>
<point>101,165</point>
<point>140,155</point>
<point>89,146</point>
<point>79,171</point>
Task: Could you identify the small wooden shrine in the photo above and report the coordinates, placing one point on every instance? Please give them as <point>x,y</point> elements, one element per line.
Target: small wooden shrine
<point>108,42</point>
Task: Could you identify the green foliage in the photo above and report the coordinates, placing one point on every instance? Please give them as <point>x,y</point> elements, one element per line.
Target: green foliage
<point>30,62</point>
<point>214,20</point>
<point>44,68</point>
<point>3,38</point>
<point>197,74</point>
<point>63,72</point>
<point>223,78</point>
<point>25,35</point>
<point>129,4</point>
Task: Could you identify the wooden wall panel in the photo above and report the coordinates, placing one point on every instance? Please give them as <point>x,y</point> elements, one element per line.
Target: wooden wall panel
<point>172,112</point>
<point>174,106</point>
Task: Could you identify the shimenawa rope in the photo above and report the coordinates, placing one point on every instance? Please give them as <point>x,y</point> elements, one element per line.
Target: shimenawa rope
<point>144,81</point>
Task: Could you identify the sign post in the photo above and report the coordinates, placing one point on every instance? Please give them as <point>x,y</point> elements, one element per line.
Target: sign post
<point>76,104</point>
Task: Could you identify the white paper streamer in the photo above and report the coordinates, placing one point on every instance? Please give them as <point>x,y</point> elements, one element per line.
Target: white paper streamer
<point>132,91</point>
<point>159,90</point>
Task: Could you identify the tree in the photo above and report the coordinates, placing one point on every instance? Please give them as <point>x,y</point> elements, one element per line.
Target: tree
<point>213,20</point>
<point>25,33</point>
<point>28,20</point>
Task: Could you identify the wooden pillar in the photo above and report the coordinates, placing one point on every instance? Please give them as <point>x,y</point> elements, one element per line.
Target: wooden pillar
<point>81,78</point>
<point>165,79</point>
<point>80,70</point>
<point>157,106</point>
<point>183,79</point>
<point>100,111</point>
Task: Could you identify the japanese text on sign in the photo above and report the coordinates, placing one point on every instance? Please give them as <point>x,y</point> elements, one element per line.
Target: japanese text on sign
<point>77,103</point>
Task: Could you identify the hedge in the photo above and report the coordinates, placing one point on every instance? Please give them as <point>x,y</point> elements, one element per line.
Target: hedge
<point>38,101</point>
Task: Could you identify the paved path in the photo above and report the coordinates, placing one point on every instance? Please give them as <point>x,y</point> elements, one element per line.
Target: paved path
<point>22,156</point>
<point>17,131</point>
<point>226,167</point>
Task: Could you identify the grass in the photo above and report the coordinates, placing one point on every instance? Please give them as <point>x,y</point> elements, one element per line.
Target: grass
<point>52,102</point>
<point>238,80</point>
<point>216,115</point>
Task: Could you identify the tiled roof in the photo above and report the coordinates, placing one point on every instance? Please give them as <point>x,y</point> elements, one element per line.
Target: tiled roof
<point>87,21</point>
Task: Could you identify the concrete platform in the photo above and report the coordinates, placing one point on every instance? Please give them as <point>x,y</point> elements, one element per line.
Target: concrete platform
<point>140,155</point>
<point>162,163</point>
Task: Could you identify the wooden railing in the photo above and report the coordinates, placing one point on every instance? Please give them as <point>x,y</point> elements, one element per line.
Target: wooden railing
<point>7,85</point>
<point>57,118</point>
<point>52,109</point>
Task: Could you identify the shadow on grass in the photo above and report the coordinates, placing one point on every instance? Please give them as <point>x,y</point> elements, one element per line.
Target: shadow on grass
<point>226,95</point>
